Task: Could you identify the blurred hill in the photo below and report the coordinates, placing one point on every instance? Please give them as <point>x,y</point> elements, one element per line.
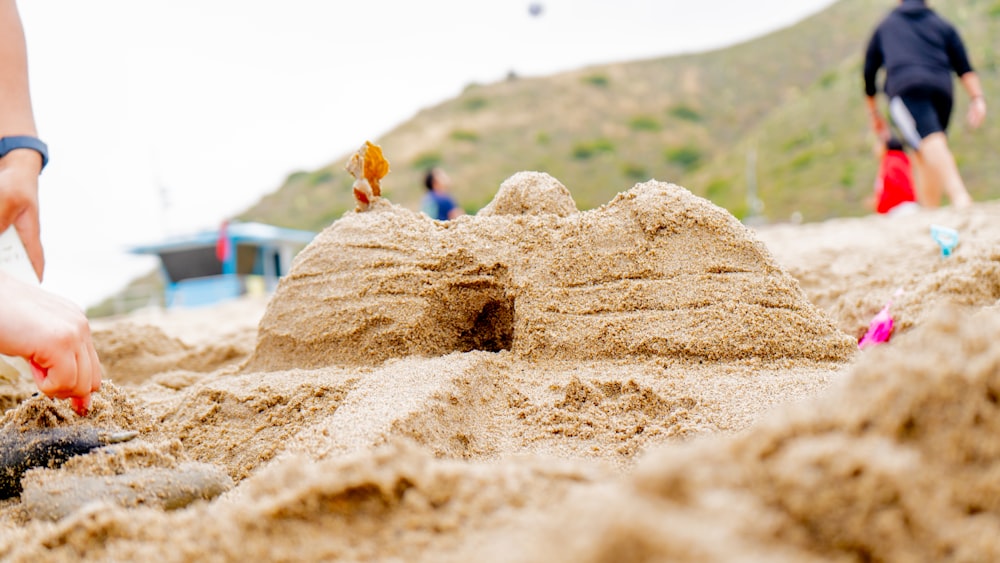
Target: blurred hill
<point>788,105</point>
<point>790,101</point>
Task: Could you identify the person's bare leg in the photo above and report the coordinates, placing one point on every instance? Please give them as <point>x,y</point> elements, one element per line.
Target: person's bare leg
<point>940,164</point>
<point>925,187</point>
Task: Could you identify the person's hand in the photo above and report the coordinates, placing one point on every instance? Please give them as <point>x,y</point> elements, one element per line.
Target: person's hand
<point>54,336</point>
<point>19,171</point>
<point>977,112</point>
<point>880,128</point>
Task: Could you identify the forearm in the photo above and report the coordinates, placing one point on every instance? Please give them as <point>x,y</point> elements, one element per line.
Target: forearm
<point>19,168</point>
<point>16,115</point>
<point>872,106</point>
<point>878,124</point>
<point>970,80</point>
<point>977,105</point>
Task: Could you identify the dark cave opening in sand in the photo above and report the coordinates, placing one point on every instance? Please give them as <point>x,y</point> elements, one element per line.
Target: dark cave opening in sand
<point>493,328</point>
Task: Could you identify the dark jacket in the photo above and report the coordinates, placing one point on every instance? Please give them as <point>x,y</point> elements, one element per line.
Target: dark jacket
<point>918,49</point>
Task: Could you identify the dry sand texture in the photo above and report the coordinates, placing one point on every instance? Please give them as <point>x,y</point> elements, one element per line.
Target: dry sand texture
<point>896,463</point>
<point>644,381</point>
<point>851,268</point>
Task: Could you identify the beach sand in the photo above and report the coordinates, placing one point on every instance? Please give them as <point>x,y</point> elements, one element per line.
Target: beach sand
<point>647,381</point>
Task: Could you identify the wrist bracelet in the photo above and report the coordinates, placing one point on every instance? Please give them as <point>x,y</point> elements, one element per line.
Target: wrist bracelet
<point>8,144</point>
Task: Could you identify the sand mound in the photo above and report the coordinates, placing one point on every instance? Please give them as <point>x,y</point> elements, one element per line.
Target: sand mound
<point>111,409</point>
<point>852,267</point>
<point>898,463</point>
<point>530,193</point>
<point>393,503</point>
<point>656,272</point>
<point>178,347</point>
<point>241,422</point>
<point>134,353</point>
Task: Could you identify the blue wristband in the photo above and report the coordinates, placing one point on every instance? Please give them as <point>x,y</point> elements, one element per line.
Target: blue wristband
<point>8,144</point>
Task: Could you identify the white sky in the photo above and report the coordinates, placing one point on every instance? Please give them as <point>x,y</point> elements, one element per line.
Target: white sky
<point>219,100</point>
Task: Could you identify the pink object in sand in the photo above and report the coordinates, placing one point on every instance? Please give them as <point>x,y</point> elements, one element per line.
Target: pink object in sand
<point>879,330</point>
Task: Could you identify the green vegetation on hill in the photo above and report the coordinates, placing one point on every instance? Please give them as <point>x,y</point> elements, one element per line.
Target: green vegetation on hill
<point>792,99</point>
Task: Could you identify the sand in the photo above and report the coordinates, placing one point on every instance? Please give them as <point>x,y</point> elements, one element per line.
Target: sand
<point>650,380</point>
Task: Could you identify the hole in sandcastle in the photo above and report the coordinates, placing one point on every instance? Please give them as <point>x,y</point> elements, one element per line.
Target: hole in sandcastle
<point>991,396</point>
<point>908,428</point>
<point>493,328</point>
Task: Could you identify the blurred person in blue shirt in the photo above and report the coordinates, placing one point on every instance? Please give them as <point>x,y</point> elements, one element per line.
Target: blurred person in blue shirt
<point>438,203</point>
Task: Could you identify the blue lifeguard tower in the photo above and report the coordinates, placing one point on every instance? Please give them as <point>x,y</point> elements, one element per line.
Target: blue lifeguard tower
<point>221,264</point>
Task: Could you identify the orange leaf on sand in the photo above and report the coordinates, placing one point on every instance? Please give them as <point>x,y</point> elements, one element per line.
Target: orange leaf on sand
<point>368,167</point>
<point>376,167</point>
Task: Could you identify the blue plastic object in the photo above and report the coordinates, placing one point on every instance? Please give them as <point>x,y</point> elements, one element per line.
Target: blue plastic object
<point>946,238</point>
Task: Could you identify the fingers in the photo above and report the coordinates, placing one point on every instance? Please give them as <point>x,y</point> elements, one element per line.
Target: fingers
<point>73,372</point>
<point>54,334</point>
<point>72,378</point>
<point>60,377</point>
<point>80,394</point>
<point>881,130</point>
<point>95,377</point>
<point>976,118</point>
<point>977,113</point>
<point>89,379</point>
<point>81,405</point>
<point>38,372</point>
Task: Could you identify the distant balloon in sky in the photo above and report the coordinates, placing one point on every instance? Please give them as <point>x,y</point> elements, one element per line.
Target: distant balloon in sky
<point>535,9</point>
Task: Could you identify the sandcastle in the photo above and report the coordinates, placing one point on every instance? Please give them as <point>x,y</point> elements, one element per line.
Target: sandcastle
<point>657,271</point>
